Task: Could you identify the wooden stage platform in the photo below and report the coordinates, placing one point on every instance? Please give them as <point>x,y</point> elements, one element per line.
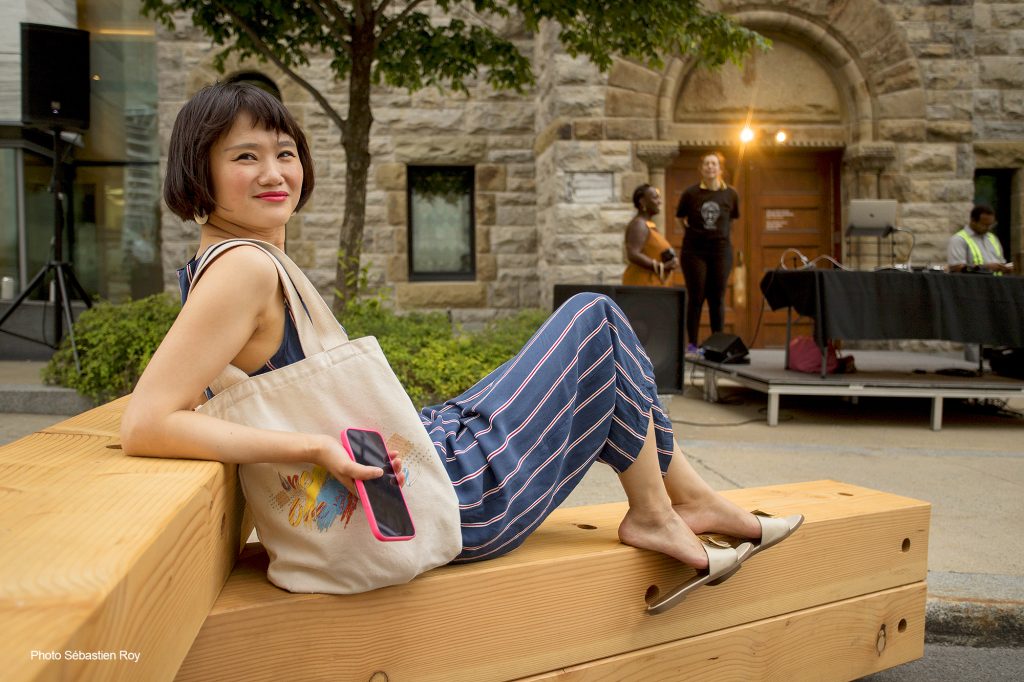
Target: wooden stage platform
<point>879,373</point>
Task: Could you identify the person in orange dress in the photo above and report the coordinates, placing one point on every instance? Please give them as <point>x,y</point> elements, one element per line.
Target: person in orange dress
<point>651,259</point>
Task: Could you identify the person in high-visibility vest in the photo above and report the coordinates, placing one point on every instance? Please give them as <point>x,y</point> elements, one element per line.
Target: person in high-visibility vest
<point>975,247</point>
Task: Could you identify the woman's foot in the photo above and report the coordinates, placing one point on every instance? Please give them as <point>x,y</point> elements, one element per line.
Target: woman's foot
<point>713,513</point>
<point>664,532</point>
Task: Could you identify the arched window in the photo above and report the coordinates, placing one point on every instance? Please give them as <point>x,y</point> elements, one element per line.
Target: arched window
<point>258,79</point>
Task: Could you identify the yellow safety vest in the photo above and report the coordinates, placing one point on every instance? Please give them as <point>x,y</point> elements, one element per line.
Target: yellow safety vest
<point>975,251</point>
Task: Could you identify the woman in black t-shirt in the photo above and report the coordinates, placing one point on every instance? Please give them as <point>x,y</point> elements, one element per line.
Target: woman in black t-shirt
<point>706,211</point>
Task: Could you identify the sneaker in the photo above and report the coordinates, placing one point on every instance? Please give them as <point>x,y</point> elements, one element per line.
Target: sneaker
<point>692,349</point>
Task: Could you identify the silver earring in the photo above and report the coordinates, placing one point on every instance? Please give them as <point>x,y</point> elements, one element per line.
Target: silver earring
<point>200,218</point>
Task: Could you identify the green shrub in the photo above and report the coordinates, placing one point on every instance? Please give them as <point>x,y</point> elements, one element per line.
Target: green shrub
<point>115,343</point>
<point>431,361</point>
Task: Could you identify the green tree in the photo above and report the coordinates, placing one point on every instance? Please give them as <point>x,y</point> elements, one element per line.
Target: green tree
<point>396,43</point>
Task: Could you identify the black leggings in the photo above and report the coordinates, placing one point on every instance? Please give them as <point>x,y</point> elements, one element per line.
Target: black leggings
<point>706,271</point>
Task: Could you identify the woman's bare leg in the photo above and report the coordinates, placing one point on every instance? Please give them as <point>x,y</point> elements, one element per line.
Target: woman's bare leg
<point>652,522</point>
<point>703,509</point>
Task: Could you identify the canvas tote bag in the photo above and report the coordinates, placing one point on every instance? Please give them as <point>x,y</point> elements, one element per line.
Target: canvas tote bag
<point>317,538</point>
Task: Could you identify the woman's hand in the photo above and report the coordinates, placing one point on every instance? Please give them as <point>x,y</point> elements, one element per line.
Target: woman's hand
<point>672,264</point>
<point>330,454</point>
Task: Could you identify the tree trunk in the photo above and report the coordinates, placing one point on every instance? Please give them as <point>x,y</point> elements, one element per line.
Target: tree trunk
<point>357,165</point>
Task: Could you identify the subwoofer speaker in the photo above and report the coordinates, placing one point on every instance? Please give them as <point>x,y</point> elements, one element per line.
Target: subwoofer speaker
<point>55,77</point>
<point>657,315</point>
<point>725,348</point>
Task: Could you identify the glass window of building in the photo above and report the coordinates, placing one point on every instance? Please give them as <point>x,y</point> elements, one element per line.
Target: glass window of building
<point>116,192</point>
<point>9,246</point>
<point>441,223</point>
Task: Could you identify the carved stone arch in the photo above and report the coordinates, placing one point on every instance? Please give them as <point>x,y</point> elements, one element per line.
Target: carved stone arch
<point>854,38</point>
<point>261,74</point>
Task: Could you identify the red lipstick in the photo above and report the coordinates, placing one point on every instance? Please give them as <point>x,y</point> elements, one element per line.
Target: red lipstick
<point>273,196</point>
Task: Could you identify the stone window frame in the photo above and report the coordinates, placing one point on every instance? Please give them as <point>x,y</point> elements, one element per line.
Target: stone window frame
<point>418,277</point>
<point>1007,155</point>
<point>1004,180</point>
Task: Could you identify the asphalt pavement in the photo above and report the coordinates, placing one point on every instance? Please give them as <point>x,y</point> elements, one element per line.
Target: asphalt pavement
<point>971,471</point>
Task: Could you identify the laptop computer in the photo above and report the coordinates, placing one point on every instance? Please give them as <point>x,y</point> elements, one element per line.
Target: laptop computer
<point>872,217</point>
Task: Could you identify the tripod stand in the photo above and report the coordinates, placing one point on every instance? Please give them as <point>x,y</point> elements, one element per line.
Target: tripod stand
<point>63,274</point>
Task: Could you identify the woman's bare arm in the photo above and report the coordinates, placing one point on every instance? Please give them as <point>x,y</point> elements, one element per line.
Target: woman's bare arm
<point>223,312</point>
<point>636,236</point>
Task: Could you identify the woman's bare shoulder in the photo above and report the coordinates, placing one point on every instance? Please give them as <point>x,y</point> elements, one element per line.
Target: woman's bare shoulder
<point>245,269</point>
<point>638,225</point>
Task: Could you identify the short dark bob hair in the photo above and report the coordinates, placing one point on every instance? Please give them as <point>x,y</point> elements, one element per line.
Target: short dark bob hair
<point>209,115</point>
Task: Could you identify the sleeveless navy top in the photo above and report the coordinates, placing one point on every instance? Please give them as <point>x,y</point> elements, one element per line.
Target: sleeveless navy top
<point>290,349</point>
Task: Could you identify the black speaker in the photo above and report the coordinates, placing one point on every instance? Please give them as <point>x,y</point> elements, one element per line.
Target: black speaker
<point>55,77</point>
<point>1006,361</point>
<point>657,315</point>
<point>725,348</point>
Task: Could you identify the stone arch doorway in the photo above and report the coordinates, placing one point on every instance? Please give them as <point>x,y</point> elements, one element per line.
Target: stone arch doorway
<point>812,86</point>
<point>789,205</point>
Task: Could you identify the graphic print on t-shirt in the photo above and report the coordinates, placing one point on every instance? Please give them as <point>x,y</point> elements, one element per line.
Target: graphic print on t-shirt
<point>710,212</point>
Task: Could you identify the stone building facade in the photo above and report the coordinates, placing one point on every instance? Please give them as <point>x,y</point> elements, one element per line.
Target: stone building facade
<point>912,100</point>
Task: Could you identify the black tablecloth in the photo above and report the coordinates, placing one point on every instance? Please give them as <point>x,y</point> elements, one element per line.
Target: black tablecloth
<point>903,305</point>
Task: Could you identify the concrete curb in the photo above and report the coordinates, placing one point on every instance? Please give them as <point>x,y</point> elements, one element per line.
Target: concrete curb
<point>35,399</point>
<point>974,623</point>
<point>975,609</point>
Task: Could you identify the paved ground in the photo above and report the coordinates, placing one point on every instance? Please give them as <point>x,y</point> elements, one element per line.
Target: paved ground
<point>972,471</point>
<point>950,663</point>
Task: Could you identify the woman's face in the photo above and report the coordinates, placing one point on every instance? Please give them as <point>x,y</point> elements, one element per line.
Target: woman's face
<point>710,169</point>
<point>257,176</point>
<point>651,201</point>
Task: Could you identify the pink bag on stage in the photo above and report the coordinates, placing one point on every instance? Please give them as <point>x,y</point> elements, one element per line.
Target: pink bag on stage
<point>805,356</point>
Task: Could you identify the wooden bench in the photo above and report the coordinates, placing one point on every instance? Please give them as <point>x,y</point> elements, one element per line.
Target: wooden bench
<point>108,553</point>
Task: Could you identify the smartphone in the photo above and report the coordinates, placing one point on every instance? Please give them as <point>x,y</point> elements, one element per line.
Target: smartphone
<point>382,498</point>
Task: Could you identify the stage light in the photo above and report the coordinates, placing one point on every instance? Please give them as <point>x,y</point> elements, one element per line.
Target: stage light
<point>746,135</point>
<point>780,137</point>
<point>96,77</point>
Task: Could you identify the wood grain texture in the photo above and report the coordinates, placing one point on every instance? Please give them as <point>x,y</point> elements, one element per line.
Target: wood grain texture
<point>103,552</point>
<point>838,641</point>
<point>569,595</point>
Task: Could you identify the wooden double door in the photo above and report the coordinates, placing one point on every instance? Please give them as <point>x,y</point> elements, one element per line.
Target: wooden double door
<point>789,199</point>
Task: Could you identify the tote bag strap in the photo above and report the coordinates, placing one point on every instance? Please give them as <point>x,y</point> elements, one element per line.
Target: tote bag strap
<point>318,331</point>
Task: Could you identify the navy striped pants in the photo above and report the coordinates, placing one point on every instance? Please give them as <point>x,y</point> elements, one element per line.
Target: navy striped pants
<point>518,442</point>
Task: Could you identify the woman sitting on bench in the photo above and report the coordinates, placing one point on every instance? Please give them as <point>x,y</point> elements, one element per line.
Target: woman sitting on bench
<point>240,166</point>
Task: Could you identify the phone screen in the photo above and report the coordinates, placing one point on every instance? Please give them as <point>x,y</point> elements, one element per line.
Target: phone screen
<point>384,493</point>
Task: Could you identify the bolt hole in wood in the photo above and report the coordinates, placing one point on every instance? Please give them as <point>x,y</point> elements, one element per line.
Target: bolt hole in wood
<point>652,593</point>
<point>902,626</point>
<point>586,526</point>
<point>113,447</point>
<point>906,545</point>
<point>846,494</point>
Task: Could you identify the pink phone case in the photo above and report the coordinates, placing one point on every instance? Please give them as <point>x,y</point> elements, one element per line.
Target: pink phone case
<point>364,498</point>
